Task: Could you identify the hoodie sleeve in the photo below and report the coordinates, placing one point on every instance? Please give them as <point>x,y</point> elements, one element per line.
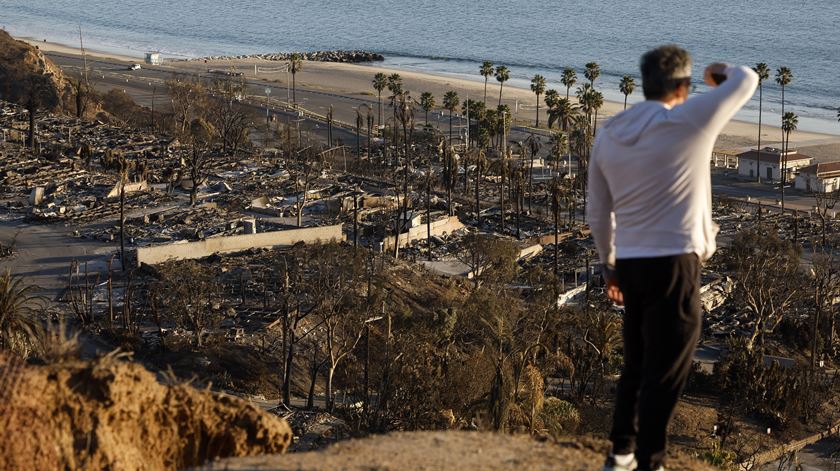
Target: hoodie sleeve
<point>599,211</point>
<point>712,110</point>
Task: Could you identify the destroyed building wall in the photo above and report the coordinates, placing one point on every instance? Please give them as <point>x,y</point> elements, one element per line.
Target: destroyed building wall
<point>549,238</point>
<point>129,188</point>
<point>441,226</point>
<point>204,248</point>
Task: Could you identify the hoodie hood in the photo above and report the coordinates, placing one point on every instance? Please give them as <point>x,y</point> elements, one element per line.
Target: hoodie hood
<point>626,127</point>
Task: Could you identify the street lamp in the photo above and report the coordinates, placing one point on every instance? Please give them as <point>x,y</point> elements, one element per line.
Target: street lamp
<point>267,97</point>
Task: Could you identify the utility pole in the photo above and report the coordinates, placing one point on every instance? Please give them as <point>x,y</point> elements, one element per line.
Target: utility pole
<point>467,140</point>
<point>154,94</point>
<point>84,56</point>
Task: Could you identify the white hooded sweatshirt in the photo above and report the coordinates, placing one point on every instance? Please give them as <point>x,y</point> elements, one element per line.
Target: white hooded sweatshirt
<point>650,192</point>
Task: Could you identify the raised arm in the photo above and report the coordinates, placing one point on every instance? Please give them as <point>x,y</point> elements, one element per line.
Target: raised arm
<point>712,110</point>
<point>599,211</point>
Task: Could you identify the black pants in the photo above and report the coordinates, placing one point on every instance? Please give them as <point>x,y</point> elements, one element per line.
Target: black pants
<point>662,323</point>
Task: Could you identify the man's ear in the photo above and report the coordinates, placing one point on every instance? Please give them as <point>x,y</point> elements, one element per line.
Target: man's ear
<point>683,91</point>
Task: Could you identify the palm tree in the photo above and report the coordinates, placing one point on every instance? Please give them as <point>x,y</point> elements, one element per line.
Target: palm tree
<point>380,81</point>
<point>18,323</point>
<point>783,77</point>
<point>474,111</point>
<point>581,140</point>
<point>763,74</point>
<point>592,72</point>
<point>504,120</point>
<point>597,101</point>
<point>626,87</point>
<point>427,103</point>
<point>503,167</point>
<point>395,84</point>
<point>360,122</point>
<point>486,70</point>
<point>569,79</point>
<point>294,66</point>
<point>533,144</point>
<point>396,89</point>
<point>502,76</point>
<point>556,190</point>
<point>559,147</point>
<point>538,87</point>
<point>585,97</point>
<point>562,113</point>
<point>550,99</point>
<point>789,123</point>
<point>450,102</point>
<point>480,166</point>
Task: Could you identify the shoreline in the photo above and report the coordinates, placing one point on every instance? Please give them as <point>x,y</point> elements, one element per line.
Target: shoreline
<point>354,80</point>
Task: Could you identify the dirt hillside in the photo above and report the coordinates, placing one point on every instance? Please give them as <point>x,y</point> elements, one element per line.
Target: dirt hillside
<point>26,72</point>
<point>443,451</point>
<point>111,414</point>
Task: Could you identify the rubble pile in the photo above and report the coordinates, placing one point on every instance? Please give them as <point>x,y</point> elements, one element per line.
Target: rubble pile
<point>184,223</point>
<point>89,140</point>
<point>313,430</point>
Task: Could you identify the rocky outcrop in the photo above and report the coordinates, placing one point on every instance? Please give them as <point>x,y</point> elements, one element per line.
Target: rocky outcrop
<point>111,414</point>
<point>316,56</point>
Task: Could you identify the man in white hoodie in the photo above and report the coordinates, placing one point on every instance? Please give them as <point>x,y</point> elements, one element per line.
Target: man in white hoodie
<point>650,211</point>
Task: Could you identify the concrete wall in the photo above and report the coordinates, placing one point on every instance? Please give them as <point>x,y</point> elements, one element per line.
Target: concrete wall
<point>530,251</point>
<point>204,248</point>
<point>549,238</point>
<point>129,188</point>
<point>446,225</point>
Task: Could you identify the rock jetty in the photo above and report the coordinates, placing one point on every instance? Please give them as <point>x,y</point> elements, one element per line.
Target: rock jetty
<point>319,56</point>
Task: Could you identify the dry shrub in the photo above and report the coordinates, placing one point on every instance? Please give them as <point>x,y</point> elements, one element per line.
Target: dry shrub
<point>559,416</point>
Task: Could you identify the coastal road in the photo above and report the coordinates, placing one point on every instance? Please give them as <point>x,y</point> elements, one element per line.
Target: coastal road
<point>147,87</point>
<point>767,194</point>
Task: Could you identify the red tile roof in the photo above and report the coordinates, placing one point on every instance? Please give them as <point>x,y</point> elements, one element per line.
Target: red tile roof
<point>823,170</point>
<point>772,156</point>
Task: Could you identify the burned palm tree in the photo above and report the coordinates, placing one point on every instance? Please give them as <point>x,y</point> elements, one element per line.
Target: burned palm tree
<point>294,65</point>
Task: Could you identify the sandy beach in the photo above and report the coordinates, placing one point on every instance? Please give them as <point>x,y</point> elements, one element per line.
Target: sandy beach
<point>355,80</point>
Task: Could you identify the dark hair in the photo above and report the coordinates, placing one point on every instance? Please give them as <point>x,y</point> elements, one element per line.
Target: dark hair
<point>663,70</point>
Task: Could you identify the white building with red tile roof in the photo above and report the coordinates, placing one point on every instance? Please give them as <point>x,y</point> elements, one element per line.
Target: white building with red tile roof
<point>768,162</point>
<point>821,177</point>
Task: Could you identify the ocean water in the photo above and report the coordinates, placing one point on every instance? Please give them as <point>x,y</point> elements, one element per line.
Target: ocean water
<point>453,36</point>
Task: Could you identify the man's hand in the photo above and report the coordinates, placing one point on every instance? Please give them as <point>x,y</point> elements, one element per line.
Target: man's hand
<point>717,68</point>
<point>613,291</point>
